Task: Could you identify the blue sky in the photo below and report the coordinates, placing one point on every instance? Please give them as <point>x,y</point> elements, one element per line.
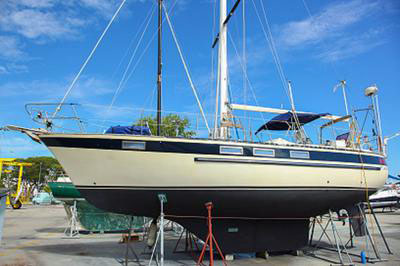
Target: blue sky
<point>43,43</point>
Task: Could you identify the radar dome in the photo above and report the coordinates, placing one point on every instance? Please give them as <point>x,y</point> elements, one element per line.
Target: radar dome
<point>370,91</point>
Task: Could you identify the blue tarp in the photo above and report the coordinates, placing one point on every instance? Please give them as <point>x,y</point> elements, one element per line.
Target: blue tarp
<point>287,121</point>
<point>129,130</point>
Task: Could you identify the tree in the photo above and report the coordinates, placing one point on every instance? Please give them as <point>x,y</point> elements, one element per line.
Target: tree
<point>43,166</point>
<point>172,125</point>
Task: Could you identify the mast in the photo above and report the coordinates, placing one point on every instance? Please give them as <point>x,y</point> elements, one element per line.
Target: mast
<point>223,71</point>
<point>159,69</point>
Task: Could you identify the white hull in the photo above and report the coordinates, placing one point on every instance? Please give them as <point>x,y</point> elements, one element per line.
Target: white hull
<point>87,167</point>
<point>107,174</point>
<point>132,168</point>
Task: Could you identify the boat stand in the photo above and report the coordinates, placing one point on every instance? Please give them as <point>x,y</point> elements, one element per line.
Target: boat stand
<point>210,240</point>
<point>190,243</point>
<point>129,247</point>
<point>368,236</point>
<point>191,246</point>
<point>72,231</point>
<point>160,233</point>
<point>337,240</point>
<point>378,225</point>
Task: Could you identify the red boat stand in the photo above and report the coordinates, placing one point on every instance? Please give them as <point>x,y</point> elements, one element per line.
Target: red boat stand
<point>210,240</point>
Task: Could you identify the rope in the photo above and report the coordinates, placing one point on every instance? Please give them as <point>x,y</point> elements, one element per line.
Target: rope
<point>186,68</point>
<point>251,218</point>
<point>88,59</point>
<point>367,199</point>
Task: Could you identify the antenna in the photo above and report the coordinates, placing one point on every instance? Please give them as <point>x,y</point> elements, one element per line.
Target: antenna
<point>372,92</point>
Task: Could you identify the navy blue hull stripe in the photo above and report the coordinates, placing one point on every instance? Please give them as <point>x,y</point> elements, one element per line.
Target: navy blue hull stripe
<point>204,148</point>
<point>230,188</point>
<point>291,163</point>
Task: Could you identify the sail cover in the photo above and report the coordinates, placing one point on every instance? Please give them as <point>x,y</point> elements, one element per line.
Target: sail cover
<point>129,130</point>
<point>287,121</point>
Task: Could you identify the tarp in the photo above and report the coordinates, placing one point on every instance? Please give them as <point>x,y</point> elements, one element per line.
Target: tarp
<point>90,217</point>
<point>287,121</point>
<point>129,130</point>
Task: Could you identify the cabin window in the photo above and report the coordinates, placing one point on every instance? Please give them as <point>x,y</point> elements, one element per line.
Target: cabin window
<point>230,150</point>
<point>264,152</point>
<point>300,154</point>
<point>133,145</point>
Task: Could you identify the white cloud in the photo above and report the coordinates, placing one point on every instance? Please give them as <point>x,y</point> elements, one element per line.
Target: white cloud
<point>351,46</point>
<point>327,23</point>
<point>104,7</point>
<point>334,33</point>
<point>17,68</point>
<point>10,47</point>
<point>34,24</point>
<point>13,68</point>
<point>44,20</point>
<point>49,90</point>
<point>35,3</point>
<point>19,146</point>
<point>104,112</point>
<point>3,70</point>
<point>41,21</point>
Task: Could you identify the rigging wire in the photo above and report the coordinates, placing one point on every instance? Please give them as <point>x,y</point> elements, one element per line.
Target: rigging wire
<point>244,32</point>
<point>268,37</point>
<point>323,41</point>
<point>276,57</point>
<point>151,11</point>
<point>186,68</point>
<point>118,90</point>
<point>234,119</point>
<point>144,51</point>
<point>214,11</point>
<point>88,58</point>
<point>248,81</point>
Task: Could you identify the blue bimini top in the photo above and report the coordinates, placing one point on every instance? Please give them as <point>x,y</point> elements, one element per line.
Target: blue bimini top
<point>287,121</point>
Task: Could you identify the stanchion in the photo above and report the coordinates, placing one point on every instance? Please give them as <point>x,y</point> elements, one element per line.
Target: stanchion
<point>210,240</point>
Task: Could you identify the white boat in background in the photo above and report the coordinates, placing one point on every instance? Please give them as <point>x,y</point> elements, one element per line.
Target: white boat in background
<point>386,197</point>
<point>263,192</point>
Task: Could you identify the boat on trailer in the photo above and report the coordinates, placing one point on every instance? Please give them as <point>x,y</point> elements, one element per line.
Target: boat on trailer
<point>263,193</point>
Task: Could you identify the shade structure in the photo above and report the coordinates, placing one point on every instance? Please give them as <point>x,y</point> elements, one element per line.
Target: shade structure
<point>287,121</point>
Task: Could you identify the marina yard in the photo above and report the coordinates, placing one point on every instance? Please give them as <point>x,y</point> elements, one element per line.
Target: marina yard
<point>34,235</point>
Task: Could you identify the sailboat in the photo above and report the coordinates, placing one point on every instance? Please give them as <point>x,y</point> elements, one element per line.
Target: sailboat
<point>264,193</point>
